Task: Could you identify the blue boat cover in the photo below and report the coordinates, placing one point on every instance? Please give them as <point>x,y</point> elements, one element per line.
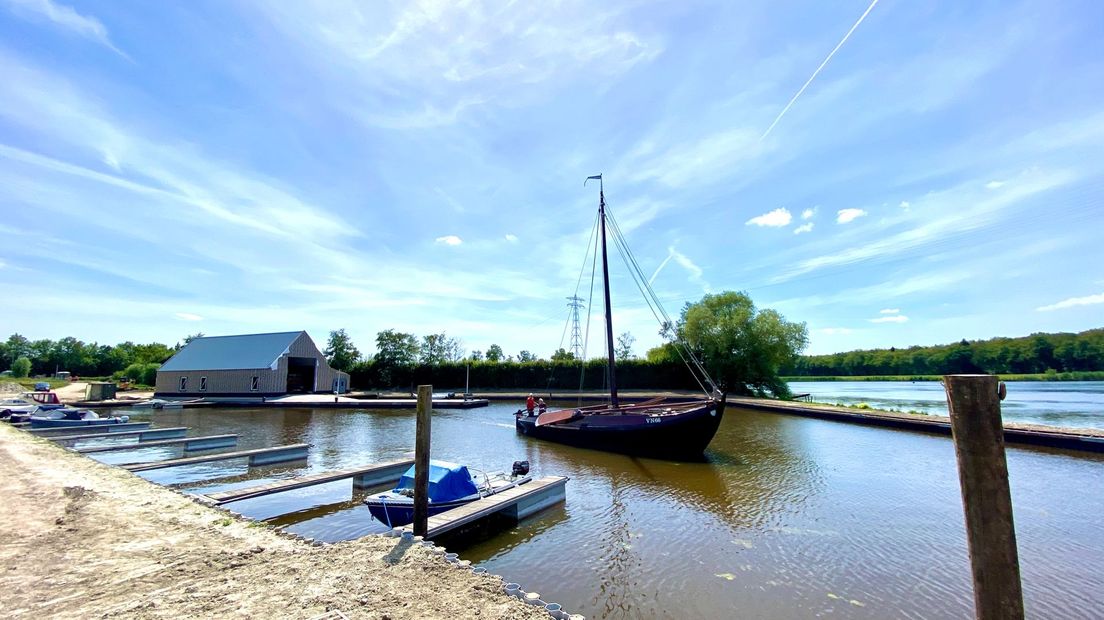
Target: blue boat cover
<point>447,481</point>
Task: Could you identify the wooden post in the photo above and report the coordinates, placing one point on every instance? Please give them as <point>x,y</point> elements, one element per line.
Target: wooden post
<point>421,460</point>
<point>978,434</point>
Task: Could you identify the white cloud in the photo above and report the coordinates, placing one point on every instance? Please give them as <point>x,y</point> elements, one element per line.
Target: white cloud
<point>66,18</point>
<point>993,184</point>
<point>804,228</point>
<point>512,238</point>
<point>897,318</point>
<point>449,240</point>
<point>844,216</point>
<point>808,213</point>
<point>1089,300</point>
<point>831,331</point>
<point>905,205</point>
<point>777,218</point>
<point>891,311</point>
<point>188,316</point>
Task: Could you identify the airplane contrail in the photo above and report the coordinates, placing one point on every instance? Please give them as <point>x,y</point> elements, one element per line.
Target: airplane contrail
<point>813,76</point>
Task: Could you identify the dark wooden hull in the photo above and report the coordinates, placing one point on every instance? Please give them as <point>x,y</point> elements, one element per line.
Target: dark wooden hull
<point>682,435</point>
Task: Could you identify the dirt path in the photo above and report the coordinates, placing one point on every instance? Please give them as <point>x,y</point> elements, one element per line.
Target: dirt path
<point>85,540</point>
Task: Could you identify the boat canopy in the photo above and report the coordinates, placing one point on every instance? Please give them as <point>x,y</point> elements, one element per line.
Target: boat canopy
<point>447,481</point>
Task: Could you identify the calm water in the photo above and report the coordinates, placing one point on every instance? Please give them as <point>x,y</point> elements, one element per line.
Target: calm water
<point>788,518</point>
<point>1077,404</point>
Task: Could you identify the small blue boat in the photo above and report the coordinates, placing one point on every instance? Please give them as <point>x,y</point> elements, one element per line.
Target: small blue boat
<point>450,485</point>
<point>67,416</point>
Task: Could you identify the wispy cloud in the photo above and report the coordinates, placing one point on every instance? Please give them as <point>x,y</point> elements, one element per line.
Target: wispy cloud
<point>818,69</point>
<point>512,238</point>
<point>1072,302</point>
<point>804,228</point>
<point>905,205</point>
<point>808,213</point>
<point>66,18</point>
<point>831,331</point>
<point>890,311</point>
<point>449,240</point>
<point>774,219</point>
<point>897,318</point>
<point>188,316</point>
<point>993,184</point>
<point>844,216</point>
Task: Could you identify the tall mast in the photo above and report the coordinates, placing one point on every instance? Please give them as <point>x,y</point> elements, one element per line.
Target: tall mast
<point>605,282</point>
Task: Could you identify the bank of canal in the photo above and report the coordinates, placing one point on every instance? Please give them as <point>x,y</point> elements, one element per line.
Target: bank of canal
<point>788,517</point>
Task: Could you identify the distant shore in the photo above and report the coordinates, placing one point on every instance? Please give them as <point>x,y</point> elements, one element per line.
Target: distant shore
<point>1088,375</point>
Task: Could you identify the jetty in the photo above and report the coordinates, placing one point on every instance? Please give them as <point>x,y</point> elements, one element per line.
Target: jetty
<point>512,505</point>
<point>168,432</point>
<point>76,430</point>
<point>258,456</point>
<point>363,478</point>
<point>190,444</point>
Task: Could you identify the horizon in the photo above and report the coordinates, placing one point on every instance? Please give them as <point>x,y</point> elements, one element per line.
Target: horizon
<point>891,175</point>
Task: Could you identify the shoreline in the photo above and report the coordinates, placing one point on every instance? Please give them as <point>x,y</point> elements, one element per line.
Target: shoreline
<point>86,539</point>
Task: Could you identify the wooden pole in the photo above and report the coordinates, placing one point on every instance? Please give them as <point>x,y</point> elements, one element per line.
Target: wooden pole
<point>978,434</point>
<point>421,460</point>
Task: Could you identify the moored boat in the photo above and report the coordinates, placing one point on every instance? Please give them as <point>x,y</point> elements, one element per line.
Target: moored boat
<point>658,428</point>
<point>67,416</point>
<point>450,485</point>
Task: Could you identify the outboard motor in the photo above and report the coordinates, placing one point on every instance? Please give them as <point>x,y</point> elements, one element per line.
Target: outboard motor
<point>521,468</point>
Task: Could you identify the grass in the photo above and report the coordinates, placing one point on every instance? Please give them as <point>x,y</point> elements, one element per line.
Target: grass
<point>29,382</point>
<point>1088,375</point>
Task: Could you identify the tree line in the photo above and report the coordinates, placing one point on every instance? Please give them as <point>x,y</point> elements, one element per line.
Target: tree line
<point>138,362</point>
<point>1037,353</point>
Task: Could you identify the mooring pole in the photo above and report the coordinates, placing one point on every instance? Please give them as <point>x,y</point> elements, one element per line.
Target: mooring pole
<point>421,460</point>
<point>974,403</point>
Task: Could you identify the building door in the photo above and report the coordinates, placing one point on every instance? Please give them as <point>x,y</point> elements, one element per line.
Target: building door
<point>301,375</point>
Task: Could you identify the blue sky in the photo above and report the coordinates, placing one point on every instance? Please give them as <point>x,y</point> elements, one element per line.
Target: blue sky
<point>235,167</point>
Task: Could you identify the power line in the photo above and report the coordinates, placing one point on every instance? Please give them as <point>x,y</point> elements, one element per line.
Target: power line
<point>575,303</point>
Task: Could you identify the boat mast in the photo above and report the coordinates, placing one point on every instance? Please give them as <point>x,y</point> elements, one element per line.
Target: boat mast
<point>605,282</point>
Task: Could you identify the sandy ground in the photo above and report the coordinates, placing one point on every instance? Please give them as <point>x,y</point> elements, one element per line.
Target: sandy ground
<point>86,540</point>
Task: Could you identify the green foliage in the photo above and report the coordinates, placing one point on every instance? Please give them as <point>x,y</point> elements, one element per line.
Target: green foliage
<point>563,355</point>
<point>144,373</point>
<point>623,350</point>
<point>439,348</point>
<point>742,347</point>
<point>21,367</point>
<point>340,351</point>
<point>1062,353</point>
<point>526,356</point>
<point>396,348</point>
<point>494,353</point>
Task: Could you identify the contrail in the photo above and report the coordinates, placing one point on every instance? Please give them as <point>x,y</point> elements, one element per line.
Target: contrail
<point>813,76</point>
<point>670,255</point>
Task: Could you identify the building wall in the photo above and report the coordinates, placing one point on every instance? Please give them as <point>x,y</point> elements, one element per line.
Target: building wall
<point>238,382</point>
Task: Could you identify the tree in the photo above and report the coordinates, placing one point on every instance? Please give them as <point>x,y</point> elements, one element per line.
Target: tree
<point>663,353</point>
<point>476,356</point>
<point>742,347</point>
<point>21,367</point>
<point>495,354</point>
<point>525,356</point>
<point>340,351</point>
<point>623,350</point>
<point>396,348</point>
<point>188,339</point>
<point>563,355</point>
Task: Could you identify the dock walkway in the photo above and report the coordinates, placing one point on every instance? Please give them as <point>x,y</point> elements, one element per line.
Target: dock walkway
<point>259,456</point>
<point>363,477</point>
<point>190,444</point>
<point>168,432</point>
<point>109,428</point>
<point>517,503</point>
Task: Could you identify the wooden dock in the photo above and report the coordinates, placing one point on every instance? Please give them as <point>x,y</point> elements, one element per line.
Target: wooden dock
<point>259,456</point>
<point>363,478</point>
<point>76,430</point>
<point>515,504</point>
<point>191,444</point>
<point>171,432</point>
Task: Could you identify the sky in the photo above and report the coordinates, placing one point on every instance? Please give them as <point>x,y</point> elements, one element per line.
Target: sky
<point>890,174</point>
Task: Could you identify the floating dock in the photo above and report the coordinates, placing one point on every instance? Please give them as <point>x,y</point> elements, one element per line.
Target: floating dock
<point>363,478</point>
<point>1069,439</point>
<point>513,504</point>
<point>259,456</point>
<point>76,430</point>
<point>191,444</point>
<point>143,435</point>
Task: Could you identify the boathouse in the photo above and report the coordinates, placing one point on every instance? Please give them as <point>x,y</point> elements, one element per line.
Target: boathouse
<point>249,365</point>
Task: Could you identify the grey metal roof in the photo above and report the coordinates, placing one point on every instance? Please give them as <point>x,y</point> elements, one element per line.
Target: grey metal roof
<point>231,352</point>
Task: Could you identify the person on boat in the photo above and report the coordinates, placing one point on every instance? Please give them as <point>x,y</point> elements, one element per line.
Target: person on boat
<point>530,404</point>
<point>541,407</point>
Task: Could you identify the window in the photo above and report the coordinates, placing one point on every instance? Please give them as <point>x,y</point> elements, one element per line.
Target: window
<point>203,384</point>
<point>253,385</point>
<point>183,384</point>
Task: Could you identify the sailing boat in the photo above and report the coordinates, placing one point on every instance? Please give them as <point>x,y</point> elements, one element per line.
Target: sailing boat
<point>660,427</point>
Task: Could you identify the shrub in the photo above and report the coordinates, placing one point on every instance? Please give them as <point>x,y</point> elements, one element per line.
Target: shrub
<point>21,367</point>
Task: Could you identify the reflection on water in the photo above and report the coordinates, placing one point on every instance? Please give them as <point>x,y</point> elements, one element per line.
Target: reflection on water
<point>786,517</point>
<point>1077,404</point>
